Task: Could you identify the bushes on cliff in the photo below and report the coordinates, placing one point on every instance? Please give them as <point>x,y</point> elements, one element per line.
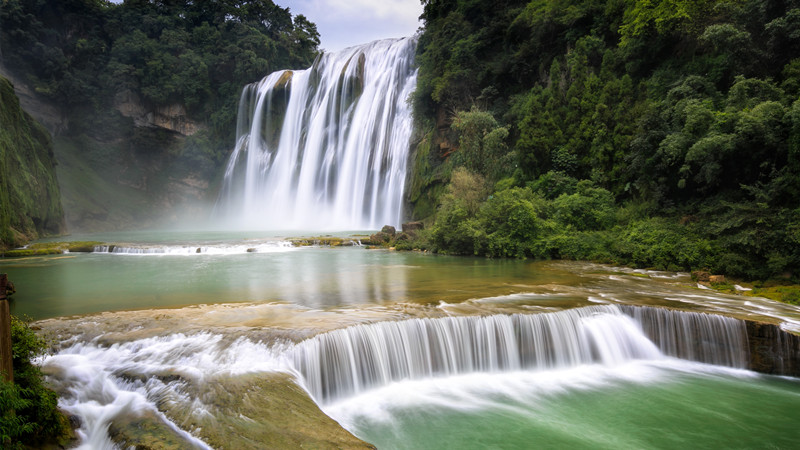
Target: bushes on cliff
<point>457,230</point>
<point>514,221</point>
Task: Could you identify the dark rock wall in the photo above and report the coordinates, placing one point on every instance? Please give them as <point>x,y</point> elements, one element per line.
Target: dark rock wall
<point>772,350</point>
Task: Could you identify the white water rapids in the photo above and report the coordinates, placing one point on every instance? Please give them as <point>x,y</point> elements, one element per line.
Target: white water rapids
<point>101,383</point>
<point>326,147</point>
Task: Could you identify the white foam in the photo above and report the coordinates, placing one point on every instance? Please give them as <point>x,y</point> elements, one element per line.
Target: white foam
<point>197,249</point>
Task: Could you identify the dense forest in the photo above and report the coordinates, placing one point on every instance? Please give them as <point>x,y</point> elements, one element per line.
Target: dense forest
<point>81,53</point>
<point>148,90</point>
<point>659,134</point>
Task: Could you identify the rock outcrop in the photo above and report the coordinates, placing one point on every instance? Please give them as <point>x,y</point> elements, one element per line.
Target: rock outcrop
<point>412,227</point>
<point>170,117</point>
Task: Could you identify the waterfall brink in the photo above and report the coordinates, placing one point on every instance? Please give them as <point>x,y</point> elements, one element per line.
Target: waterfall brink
<point>348,361</point>
<point>326,146</point>
<point>694,336</point>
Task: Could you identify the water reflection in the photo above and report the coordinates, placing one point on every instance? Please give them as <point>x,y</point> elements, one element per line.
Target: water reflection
<point>311,277</point>
<point>355,278</point>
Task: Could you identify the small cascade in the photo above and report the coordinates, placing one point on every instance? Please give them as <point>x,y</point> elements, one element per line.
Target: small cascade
<point>351,360</point>
<point>219,249</point>
<point>694,336</point>
<point>326,146</point>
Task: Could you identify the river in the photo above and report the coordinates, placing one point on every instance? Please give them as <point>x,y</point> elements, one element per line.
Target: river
<point>216,340</point>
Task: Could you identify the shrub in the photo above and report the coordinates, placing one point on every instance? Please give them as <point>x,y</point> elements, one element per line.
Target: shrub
<point>590,208</point>
<point>513,220</point>
<point>30,412</point>
<point>661,244</point>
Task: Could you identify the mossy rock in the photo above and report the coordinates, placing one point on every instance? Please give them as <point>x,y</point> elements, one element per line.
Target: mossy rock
<point>266,411</point>
<point>30,199</point>
<point>786,294</point>
<point>322,241</point>
<point>24,252</point>
<point>144,432</point>
<point>53,248</point>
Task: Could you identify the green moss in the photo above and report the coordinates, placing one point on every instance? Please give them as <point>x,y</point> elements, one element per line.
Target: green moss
<point>145,431</point>
<point>30,199</point>
<point>787,294</point>
<point>31,252</point>
<point>428,178</point>
<point>324,241</point>
<point>724,287</point>
<point>267,410</point>
<point>53,248</point>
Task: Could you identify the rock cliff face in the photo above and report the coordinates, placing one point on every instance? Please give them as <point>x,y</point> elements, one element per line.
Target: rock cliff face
<point>171,117</point>
<point>30,199</point>
<point>51,117</point>
<point>134,171</point>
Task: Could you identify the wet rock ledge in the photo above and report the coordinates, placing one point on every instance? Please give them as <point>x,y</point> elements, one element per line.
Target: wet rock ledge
<point>772,350</point>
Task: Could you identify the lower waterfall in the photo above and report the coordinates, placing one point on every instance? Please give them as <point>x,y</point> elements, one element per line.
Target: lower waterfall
<point>348,361</point>
<point>195,383</point>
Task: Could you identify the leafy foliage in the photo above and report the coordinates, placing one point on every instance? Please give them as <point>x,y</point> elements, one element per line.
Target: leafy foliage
<point>685,111</point>
<point>28,409</point>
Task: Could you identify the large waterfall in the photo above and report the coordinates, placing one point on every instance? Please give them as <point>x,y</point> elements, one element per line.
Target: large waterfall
<point>326,147</point>
<point>351,360</point>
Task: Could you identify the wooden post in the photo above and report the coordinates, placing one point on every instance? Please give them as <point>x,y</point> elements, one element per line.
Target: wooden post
<point>6,363</point>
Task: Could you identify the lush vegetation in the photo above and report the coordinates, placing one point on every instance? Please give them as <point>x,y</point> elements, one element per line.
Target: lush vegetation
<point>653,133</point>
<point>95,59</point>
<point>83,53</point>
<point>29,414</point>
<point>30,202</point>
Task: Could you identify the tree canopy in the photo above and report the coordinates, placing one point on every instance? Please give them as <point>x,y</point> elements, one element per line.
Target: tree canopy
<point>684,111</point>
<point>198,53</point>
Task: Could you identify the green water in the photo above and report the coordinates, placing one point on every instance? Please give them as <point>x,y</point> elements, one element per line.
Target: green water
<point>316,277</point>
<point>677,407</point>
<point>265,296</point>
<point>329,278</point>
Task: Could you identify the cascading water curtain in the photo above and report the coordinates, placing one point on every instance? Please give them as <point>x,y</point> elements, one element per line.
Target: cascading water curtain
<point>344,362</point>
<point>326,147</point>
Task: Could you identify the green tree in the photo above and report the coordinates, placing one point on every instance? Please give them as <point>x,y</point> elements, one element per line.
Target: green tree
<point>482,148</point>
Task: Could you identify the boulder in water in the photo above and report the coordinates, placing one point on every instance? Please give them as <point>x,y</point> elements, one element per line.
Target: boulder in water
<point>388,229</point>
